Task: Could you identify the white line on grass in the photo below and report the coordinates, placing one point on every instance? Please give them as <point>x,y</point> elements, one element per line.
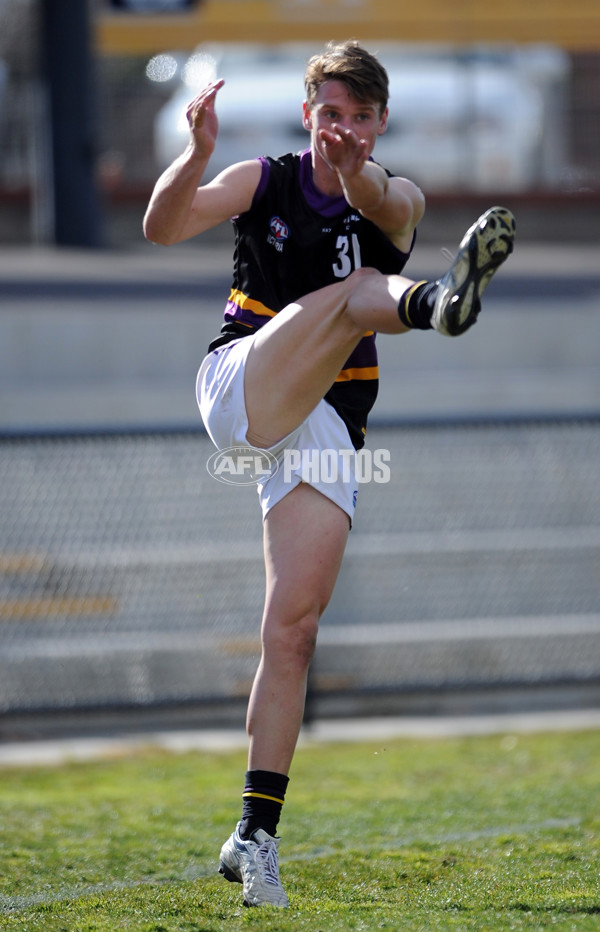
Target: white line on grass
<point>15,904</point>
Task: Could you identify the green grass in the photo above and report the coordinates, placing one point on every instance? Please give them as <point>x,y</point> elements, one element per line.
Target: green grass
<point>491,833</point>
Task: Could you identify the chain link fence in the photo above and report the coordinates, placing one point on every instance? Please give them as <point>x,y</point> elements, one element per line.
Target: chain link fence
<point>130,578</point>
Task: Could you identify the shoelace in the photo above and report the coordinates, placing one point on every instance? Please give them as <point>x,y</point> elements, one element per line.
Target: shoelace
<point>267,855</point>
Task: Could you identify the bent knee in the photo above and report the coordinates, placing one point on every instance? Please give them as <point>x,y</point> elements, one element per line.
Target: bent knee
<point>360,287</point>
<point>359,281</point>
<point>359,275</point>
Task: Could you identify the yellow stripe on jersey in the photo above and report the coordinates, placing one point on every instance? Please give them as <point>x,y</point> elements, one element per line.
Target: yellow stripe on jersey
<point>367,372</point>
<point>244,302</point>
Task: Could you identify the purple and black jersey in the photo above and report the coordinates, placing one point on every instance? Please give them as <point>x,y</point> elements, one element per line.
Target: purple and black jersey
<point>295,240</point>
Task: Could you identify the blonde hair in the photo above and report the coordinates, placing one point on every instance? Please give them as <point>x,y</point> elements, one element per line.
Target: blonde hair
<point>364,76</point>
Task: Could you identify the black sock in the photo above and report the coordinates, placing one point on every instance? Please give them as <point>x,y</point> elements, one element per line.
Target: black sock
<point>264,793</point>
<point>416,305</point>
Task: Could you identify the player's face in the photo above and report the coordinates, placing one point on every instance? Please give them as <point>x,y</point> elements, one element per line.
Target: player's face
<point>334,104</point>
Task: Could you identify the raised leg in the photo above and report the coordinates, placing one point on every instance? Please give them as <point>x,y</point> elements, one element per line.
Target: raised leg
<point>298,354</point>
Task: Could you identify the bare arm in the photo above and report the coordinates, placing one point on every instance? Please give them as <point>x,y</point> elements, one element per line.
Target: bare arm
<point>180,207</point>
<point>395,205</point>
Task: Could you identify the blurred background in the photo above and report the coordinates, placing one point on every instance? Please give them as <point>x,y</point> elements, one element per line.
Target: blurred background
<point>480,103</point>
<point>130,580</point>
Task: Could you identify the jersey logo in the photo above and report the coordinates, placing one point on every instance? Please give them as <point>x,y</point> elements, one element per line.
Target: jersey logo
<point>278,228</point>
<point>279,233</point>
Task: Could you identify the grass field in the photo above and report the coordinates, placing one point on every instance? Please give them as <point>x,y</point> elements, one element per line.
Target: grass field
<point>487,833</point>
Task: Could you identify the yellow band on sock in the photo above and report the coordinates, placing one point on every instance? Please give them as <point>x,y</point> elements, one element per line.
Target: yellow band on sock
<point>273,799</point>
<point>407,296</point>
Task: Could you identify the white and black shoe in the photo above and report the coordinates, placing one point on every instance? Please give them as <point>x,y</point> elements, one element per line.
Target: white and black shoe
<point>254,863</point>
<point>483,249</point>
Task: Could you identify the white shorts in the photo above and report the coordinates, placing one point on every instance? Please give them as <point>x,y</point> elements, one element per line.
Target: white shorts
<point>318,452</point>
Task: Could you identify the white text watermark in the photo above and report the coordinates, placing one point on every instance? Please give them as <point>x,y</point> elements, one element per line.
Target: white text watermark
<point>243,465</point>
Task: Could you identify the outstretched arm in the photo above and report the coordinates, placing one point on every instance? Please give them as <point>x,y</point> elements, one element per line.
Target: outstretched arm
<point>180,207</point>
<point>394,204</point>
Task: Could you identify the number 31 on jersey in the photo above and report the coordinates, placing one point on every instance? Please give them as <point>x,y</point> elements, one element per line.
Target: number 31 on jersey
<point>348,257</point>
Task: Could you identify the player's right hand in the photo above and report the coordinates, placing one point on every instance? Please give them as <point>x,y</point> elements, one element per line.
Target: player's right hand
<point>202,119</point>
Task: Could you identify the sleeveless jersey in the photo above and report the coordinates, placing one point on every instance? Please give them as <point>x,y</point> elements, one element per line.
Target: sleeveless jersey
<point>295,240</point>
